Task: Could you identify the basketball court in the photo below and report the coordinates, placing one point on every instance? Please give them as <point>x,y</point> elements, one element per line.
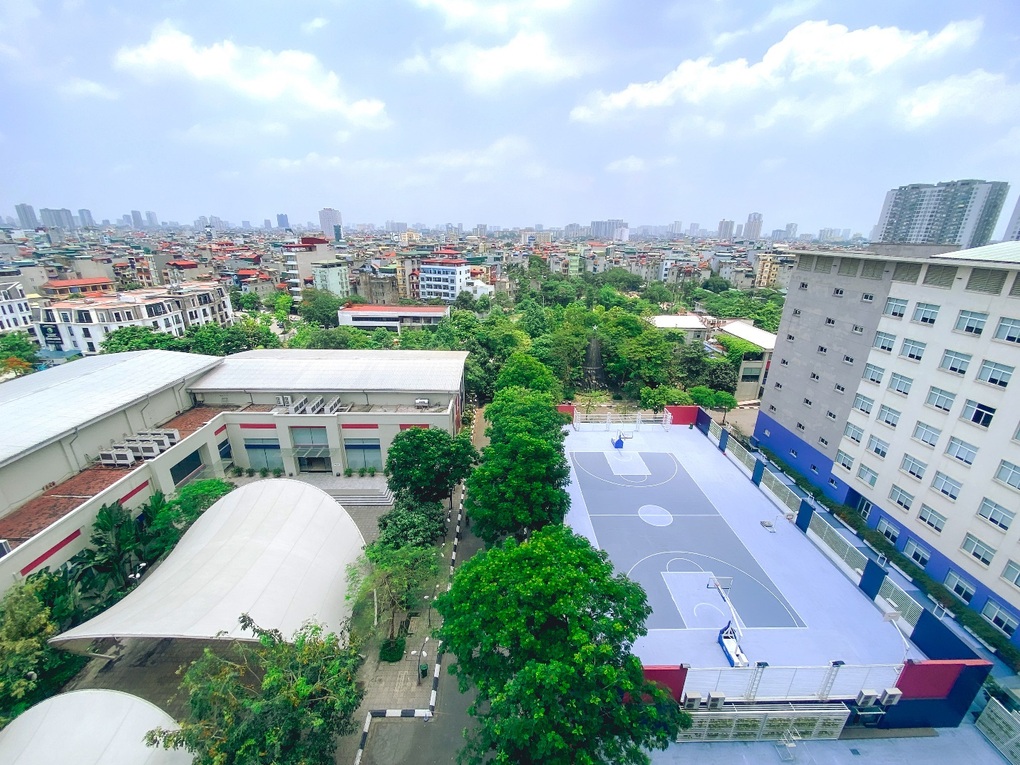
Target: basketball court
<point>711,550</point>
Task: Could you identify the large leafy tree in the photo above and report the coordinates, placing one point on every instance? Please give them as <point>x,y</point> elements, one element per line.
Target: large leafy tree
<point>427,463</point>
<point>274,700</point>
<point>136,338</point>
<point>410,522</point>
<point>107,565</point>
<point>320,307</point>
<point>525,371</point>
<point>518,409</point>
<point>19,345</point>
<point>543,631</point>
<point>398,576</point>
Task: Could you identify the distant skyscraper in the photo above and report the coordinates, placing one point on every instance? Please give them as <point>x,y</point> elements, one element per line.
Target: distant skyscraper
<point>267,223</point>
<point>151,219</point>
<point>752,229</point>
<point>26,216</point>
<point>329,219</point>
<point>136,219</point>
<point>725,230</point>
<point>952,212</point>
<point>61,218</point>
<point>791,231</point>
<point>282,221</point>
<point>85,216</point>
<point>739,232</point>
<point>694,229</point>
<point>1013,229</point>
<point>246,224</point>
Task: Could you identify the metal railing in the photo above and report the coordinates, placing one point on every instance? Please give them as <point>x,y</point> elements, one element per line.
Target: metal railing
<point>766,722</point>
<point>908,608</point>
<point>1002,728</point>
<point>715,430</point>
<point>783,492</point>
<point>839,545</point>
<point>744,457</point>
<point>791,683</point>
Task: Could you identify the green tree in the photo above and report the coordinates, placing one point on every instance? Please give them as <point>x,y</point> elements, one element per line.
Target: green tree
<point>19,345</point>
<point>427,463</point>
<point>106,567</point>
<point>412,523</point>
<point>273,700</point>
<point>659,398</point>
<point>691,364</point>
<point>622,279</point>
<point>532,319</point>
<point>135,338</point>
<point>465,301</point>
<point>519,410</point>
<point>166,521</point>
<point>320,307</point>
<point>398,576</point>
<point>724,402</point>
<point>715,284</point>
<point>590,400</point>
<point>543,630</point>
<point>525,371</point>
<point>249,301</point>
<point>721,375</point>
<point>703,396</point>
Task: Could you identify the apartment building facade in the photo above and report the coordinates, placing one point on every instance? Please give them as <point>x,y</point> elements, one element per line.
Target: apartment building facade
<point>890,390</point>
<point>443,279</point>
<point>15,313</point>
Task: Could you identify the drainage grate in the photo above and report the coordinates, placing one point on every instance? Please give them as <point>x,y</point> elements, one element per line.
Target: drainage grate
<point>855,752</point>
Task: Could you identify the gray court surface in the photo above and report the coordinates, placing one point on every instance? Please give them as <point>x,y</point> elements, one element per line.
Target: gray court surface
<point>660,528</point>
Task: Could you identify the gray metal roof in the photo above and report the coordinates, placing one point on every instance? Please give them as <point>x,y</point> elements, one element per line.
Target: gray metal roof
<point>37,408</point>
<point>1003,252</point>
<point>307,371</point>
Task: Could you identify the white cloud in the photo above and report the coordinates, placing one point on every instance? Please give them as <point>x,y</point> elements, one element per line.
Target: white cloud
<point>231,133</point>
<point>528,55</point>
<point>629,164</point>
<point>255,73</point>
<point>978,95</point>
<point>416,64</point>
<point>494,15</point>
<point>819,71</point>
<point>81,88</point>
<point>781,12</point>
<point>314,25</point>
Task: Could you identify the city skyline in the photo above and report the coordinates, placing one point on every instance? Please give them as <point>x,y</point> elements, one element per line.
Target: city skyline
<point>513,112</point>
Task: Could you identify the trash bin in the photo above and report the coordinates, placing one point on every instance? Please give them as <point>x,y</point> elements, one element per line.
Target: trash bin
<point>423,670</point>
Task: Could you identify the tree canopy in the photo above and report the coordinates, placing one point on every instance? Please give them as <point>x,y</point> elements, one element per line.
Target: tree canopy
<point>320,307</point>
<point>19,345</point>
<point>543,631</point>
<point>525,371</point>
<point>427,463</point>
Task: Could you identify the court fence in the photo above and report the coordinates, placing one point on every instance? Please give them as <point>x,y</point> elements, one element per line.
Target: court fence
<point>835,682</point>
<point>907,607</point>
<point>767,722</point>
<point>1002,728</point>
<point>781,491</point>
<point>838,545</point>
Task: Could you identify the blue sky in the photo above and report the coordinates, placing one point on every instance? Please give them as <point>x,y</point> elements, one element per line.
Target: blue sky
<point>507,112</point>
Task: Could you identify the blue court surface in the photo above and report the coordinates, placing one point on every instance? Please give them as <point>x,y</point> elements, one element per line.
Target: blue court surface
<point>710,549</point>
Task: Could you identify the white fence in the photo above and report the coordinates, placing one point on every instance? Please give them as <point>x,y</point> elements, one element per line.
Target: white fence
<point>908,608</point>
<point>781,491</point>
<point>1002,728</point>
<point>765,722</point>
<point>838,544</point>
<point>715,430</point>
<point>744,457</point>
<point>791,683</point>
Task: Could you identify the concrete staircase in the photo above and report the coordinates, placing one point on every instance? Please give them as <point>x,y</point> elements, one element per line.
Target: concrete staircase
<point>370,498</point>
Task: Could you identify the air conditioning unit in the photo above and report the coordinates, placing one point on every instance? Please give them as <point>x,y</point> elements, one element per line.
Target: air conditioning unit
<point>283,400</point>
<point>690,700</point>
<point>421,403</point>
<point>140,448</point>
<point>117,457</point>
<point>333,406</point>
<point>890,696</point>
<point>160,440</point>
<point>299,406</point>
<point>867,698</point>
<point>317,406</point>
<point>715,700</point>
<point>5,547</point>
<point>171,435</point>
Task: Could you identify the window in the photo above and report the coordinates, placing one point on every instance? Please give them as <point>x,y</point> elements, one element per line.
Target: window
<point>853,432</point>
<point>978,549</point>
<point>980,414</point>
<point>789,338</point>
<point>837,291</point>
<point>995,513</point>
<point>1008,330</point>
<point>961,450</point>
<point>900,383</point>
<point>839,388</point>
<point>793,452</point>
<point>834,483</point>
<point>926,434</point>
<point>913,466</point>
<point>864,508</point>
<point>916,553</point>
<point>995,374</point>
<point>971,322</point>
<point>830,322</point>
<point>1008,473</point>
<point>873,373</point>
<point>815,377</point>
<point>803,285</point>
<point>959,587</point>
<point>940,276</point>
<point>928,516</point>
<point>831,415</point>
<point>1011,573</point>
<point>796,312</point>
<point>888,530</point>
<point>363,452</point>
<point>778,386</point>
<point>940,399</point>
<point>888,415</point>
<point>848,359</point>
<point>822,349</point>
<point>999,617</point>
<point>895,307</point>
<point>926,313</point>
<point>844,460</point>
<point>989,280</point>
<point>784,363</point>
<point>807,402</point>
<point>954,361</point>
<point>263,453</point>
<point>772,407</point>
<point>823,440</point>
<point>867,475</point>
<point>912,349</point>
<point>884,341</point>
<point>863,404</point>
<point>867,297</point>
<point>857,329</point>
<point>948,486</point>
<point>878,446</point>
<point>902,498</point>
<point>800,426</point>
<point>906,272</point>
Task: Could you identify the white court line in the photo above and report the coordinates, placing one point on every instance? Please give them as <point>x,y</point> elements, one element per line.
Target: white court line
<point>630,485</point>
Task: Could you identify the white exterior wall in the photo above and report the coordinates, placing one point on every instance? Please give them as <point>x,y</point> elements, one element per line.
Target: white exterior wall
<point>443,282</point>
<point>15,313</point>
<point>996,442</point>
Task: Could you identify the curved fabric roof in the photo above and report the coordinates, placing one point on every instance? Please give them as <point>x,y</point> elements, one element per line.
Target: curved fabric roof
<point>93,727</point>
<point>276,549</point>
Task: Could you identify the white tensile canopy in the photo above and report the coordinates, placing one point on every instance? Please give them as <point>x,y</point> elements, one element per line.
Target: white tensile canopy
<point>93,727</point>
<point>275,549</point>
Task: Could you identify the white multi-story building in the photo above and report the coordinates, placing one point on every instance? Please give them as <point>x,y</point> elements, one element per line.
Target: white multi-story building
<point>892,392</point>
<point>443,279</point>
<point>332,276</point>
<point>15,313</point>
<point>82,325</point>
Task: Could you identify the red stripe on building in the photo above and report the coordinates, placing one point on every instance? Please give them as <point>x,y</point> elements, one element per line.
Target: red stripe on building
<point>359,426</point>
<point>408,427</point>
<point>220,430</point>
<point>57,547</point>
<point>132,493</point>
<point>257,426</point>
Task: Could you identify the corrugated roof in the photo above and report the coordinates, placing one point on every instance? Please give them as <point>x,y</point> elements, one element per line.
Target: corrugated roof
<point>686,321</point>
<point>751,333</point>
<point>308,371</point>
<point>1003,252</point>
<point>37,408</point>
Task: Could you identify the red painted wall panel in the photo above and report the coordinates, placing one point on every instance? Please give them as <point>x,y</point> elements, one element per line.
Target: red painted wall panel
<point>671,677</point>
<point>932,679</point>
<point>133,492</point>
<point>257,426</point>
<point>359,426</point>
<point>408,427</point>
<point>683,415</point>
<point>58,546</point>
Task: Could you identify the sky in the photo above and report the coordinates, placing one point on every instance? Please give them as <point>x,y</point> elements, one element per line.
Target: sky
<point>505,112</point>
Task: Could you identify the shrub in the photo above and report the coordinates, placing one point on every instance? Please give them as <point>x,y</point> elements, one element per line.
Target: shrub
<point>277,472</point>
<point>264,472</point>
<point>362,471</point>
<point>392,649</point>
<point>249,472</point>
<point>371,470</point>
<point>238,471</point>
<point>348,472</point>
